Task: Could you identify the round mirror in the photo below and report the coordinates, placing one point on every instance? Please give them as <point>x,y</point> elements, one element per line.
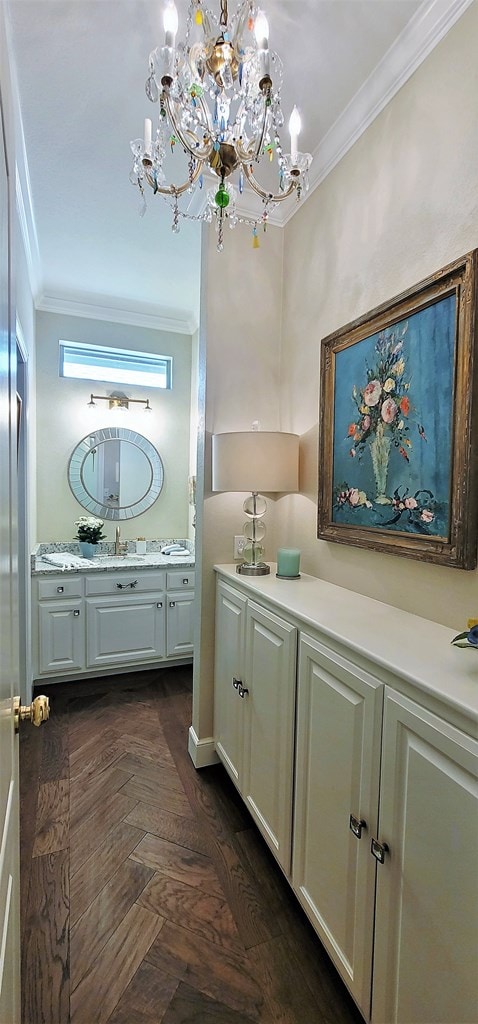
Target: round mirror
<point>115,473</point>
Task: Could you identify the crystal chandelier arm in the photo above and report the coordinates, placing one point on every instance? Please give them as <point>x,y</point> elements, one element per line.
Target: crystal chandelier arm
<point>245,155</point>
<point>194,150</point>
<point>199,101</point>
<point>261,192</point>
<point>261,137</point>
<point>265,122</point>
<point>174,190</point>
<point>206,115</point>
<point>256,143</point>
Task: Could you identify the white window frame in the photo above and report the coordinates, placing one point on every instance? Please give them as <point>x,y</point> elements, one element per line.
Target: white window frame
<point>115,365</point>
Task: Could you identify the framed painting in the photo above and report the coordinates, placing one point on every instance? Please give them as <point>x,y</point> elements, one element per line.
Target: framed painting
<point>398,451</point>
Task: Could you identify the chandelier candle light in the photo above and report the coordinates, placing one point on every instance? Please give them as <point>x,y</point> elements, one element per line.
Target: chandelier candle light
<point>218,94</point>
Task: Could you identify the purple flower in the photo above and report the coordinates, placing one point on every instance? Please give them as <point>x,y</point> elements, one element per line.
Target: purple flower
<point>473,636</point>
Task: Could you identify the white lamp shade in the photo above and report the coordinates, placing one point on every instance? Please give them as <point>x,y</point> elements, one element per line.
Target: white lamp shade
<point>255,460</point>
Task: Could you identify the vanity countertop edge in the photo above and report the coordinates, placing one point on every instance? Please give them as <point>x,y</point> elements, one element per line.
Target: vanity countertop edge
<point>45,569</point>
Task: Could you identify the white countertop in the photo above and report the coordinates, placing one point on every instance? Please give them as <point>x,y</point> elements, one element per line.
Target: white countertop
<point>413,648</point>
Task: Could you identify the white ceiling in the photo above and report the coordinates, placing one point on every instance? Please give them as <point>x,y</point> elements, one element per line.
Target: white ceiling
<point>81,67</point>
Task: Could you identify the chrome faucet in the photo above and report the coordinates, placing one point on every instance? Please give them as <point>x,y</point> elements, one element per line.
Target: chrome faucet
<point>119,547</point>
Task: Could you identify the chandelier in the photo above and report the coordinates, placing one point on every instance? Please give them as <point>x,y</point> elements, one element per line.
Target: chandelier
<point>218,94</point>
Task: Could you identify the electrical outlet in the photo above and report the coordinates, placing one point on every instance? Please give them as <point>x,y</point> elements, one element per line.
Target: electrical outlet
<point>239,543</point>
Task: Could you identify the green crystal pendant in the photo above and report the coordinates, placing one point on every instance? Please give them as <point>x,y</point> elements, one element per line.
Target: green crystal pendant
<point>222,197</point>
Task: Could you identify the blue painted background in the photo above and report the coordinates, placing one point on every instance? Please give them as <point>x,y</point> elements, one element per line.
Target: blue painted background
<point>428,353</point>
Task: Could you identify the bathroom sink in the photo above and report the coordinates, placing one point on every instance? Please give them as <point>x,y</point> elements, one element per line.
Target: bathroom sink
<point>119,559</point>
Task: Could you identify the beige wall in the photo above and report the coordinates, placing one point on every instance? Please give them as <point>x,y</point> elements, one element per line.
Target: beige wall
<point>240,365</point>
<point>63,419</point>
<point>400,205</point>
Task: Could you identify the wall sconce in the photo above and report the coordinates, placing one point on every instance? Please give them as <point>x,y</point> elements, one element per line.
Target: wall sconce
<point>255,460</point>
<point>117,400</point>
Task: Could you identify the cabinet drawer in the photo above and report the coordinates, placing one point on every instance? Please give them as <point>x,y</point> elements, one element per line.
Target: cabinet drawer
<point>60,587</point>
<point>130,581</point>
<point>181,579</point>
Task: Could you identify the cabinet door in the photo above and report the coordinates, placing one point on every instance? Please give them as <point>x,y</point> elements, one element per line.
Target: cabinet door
<point>229,670</point>
<point>123,629</point>
<point>426,942</point>
<point>180,625</point>
<point>339,710</point>
<point>61,637</point>
<point>269,723</point>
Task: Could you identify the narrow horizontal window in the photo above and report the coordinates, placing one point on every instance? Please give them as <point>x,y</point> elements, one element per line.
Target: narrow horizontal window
<point>114,366</point>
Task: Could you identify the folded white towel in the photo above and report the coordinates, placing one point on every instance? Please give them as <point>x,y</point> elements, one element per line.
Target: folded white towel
<point>66,560</point>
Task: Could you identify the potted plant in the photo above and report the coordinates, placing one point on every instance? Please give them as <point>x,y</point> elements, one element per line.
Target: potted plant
<point>89,533</point>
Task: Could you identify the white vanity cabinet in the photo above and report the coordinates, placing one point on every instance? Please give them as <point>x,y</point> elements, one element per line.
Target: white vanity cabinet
<point>180,623</point>
<point>125,618</point>
<point>254,713</point>
<point>86,623</point>
<point>60,646</point>
<point>228,674</point>
<point>339,723</point>
<point>384,843</point>
<point>426,933</point>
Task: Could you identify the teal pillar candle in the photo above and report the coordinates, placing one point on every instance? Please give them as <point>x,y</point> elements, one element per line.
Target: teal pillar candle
<point>288,562</point>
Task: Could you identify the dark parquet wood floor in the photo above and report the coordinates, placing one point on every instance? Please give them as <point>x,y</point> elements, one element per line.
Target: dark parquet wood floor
<point>148,896</point>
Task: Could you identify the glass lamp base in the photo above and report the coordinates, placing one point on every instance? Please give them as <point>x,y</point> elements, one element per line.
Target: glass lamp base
<point>253,569</point>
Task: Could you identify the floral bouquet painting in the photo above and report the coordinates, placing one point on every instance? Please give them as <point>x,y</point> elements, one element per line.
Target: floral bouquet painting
<point>393,425</point>
<point>398,431</point>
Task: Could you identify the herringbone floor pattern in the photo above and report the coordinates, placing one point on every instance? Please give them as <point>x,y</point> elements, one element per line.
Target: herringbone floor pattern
<point>148,895</point>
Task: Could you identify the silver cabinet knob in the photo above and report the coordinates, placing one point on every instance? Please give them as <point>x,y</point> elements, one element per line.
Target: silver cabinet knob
<point>356,825</point>
<point>379,850</point>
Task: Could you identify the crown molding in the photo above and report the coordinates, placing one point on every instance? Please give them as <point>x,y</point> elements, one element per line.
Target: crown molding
<point>23,191</point>
<point>424,31</point>
<point>172,321</point>
<point>28,232</point>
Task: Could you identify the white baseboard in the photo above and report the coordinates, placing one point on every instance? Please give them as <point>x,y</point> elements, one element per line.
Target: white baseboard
<point>201,752</point>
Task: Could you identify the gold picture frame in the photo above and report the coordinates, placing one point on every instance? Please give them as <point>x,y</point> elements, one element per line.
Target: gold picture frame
<point>398,445</point>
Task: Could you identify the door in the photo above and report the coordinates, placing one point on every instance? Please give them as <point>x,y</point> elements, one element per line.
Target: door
<point>269,724</point>
<point>179,628</point>
<point>124,629</point>
<point>228,675</point>
<point>426,939</point>
<point>61,636</point>
<point>339,723</point>
<point>9,645</point>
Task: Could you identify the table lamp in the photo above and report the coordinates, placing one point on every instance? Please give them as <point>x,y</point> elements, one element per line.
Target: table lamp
<point>255,461</point>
